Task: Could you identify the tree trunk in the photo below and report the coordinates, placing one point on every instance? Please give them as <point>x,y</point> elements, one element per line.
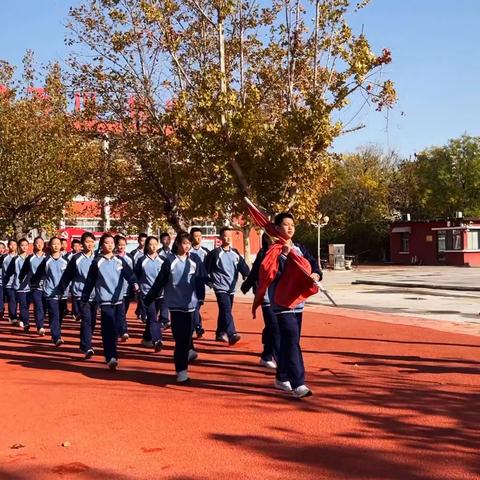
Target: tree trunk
<point>246,244</point>
<point>175,218</point>
<point>18,226</point>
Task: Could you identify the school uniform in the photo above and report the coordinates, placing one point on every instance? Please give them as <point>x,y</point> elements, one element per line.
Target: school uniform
<point>223,267</point>
<point>127,296</point>
<point>201,253</point>
<point>29,268</point>
<point>2,292</point>
<point>50,271</point>
<point>290,367</point>
<point>183,283</point>
<point>107,276</point>
<point>140,311</point>
<point>9,292</point>
<point>271,332</point>
<point>21,287</point>
<point>75,275</point>
<point>146,271</point>
<point>163,311</point>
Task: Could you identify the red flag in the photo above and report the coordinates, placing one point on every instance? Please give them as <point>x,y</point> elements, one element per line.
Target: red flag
<point>295,285</point>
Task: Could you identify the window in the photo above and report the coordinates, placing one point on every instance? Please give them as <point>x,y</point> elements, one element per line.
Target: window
<point>450,240</point>
<point>85,223</point>
<point>457,240</point>
<point>442,240</point>
<point>473,242</point>
<point>404,242</point>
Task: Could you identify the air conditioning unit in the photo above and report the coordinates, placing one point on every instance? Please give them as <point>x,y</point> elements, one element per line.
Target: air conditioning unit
<point>406,217</point>
<point>458,214</point>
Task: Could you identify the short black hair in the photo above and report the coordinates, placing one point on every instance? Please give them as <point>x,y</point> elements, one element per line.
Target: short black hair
<point>118,238</point>
<point>195,230</point>
<point>281,216</point>
<point>38,238</point>
<point>165,234</point>
<point>21,240</point>
<point>181,236</point>
<point>11,240</point>
<point>104,237</point>
<point>54,238</point>
<point>142,235</point>
<point>86,235</point>
<point>225,229</point>
<point>75,241</point>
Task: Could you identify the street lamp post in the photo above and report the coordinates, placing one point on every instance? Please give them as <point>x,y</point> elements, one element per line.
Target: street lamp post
<point>322,221</point>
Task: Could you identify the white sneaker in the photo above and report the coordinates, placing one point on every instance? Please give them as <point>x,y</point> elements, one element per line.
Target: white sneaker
<point>124,337</point>
<point>302,391</point>
<point>112,364</point>
<point>20,324</point>
<point>182,376</point>
<point>268,363</point>
<point>285,386</point>
<point>41,332</point>
<point>192,355</point>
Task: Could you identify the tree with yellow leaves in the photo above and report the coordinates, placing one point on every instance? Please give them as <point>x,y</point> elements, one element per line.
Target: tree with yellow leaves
<point>44,162</point>
<point>230,98</point>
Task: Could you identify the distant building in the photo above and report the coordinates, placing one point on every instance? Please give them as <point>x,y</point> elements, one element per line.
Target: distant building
<point>84,214</point>
<point>436,242</point>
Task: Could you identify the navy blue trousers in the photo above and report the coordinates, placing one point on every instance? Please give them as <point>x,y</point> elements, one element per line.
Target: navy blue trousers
<point>270,334</point>
<point>164,313</point>
<point>182,331</point>
<point>38,308</point>
<point>23,299</point>
<point>111,319</point>
<point>88,320</point>
<point>225,322</point>
<point>12,303</point>
<point>56,312</point>
<point>290,359</point>
<point>154,320</point>
<point>2,300</point>
<point>141,310</point>
<point>197,319</point>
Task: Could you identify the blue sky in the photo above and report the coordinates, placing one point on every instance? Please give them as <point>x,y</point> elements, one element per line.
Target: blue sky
<point>435,65</point>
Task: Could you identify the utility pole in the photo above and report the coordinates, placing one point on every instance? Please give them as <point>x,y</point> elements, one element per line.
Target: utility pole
<point>321,222</point>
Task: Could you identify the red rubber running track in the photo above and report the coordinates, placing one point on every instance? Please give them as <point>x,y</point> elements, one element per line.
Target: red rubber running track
<point>390,402</point>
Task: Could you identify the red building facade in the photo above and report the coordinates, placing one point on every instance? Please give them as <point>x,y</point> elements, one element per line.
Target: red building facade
<point>436,242</point>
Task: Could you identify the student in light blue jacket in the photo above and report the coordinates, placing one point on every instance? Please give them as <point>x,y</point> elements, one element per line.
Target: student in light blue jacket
<point>223,265</point>
<point>30,266</point>
<point>146,271</point>
<point>2,293</point>
<point>76,275</point>
<point>183,278</point>
<point>201,252</point>
<point>20,285</point>
<point>9,292</point>
<point>107,275</point>
<point>50,271</point>
<point>121,251</point>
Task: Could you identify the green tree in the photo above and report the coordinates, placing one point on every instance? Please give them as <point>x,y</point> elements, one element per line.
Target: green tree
<point>44,160</point>
<point>360,203</point>
<point>440,181</point>
<point>257,96</point>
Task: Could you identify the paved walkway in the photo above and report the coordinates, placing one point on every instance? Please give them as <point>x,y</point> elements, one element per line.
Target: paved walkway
<point>458,307</point>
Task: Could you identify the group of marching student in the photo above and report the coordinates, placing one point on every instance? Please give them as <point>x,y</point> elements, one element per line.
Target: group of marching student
<point>169,284</point>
